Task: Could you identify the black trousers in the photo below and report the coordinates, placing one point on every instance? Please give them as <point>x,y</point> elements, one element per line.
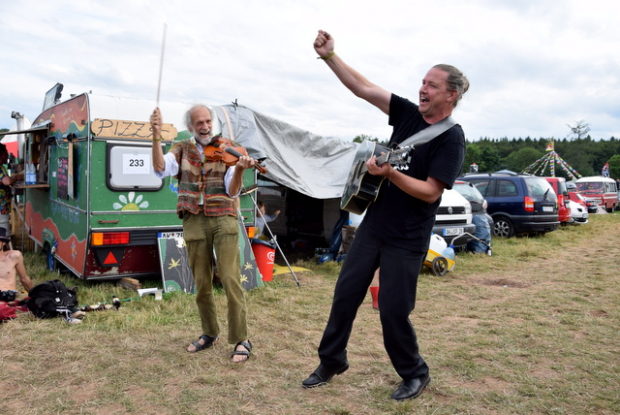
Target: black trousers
<point>400,267</point>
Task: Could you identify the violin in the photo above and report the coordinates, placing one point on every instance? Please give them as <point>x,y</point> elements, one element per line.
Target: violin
<point>224,150</point>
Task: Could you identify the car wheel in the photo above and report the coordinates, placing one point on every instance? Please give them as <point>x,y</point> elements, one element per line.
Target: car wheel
<point>503,227</point>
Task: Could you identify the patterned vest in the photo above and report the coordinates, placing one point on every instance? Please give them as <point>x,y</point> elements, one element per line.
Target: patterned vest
<point>198,178</point>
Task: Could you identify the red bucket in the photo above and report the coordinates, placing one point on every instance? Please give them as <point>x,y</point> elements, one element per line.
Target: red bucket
<point>265,253</point>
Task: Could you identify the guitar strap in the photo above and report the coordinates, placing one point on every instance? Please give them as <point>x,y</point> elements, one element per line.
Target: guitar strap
<point>430,132</point>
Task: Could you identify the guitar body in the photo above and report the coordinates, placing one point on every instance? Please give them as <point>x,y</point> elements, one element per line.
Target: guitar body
<point>362,188</point>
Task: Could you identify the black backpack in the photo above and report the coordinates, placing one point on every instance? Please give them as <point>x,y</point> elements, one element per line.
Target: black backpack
<point>52,298</point>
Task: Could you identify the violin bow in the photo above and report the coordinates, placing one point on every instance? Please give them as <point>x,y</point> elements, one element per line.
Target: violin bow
<point>161,63</point>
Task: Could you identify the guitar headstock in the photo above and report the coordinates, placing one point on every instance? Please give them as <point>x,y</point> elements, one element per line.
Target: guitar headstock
<point>400,157</point>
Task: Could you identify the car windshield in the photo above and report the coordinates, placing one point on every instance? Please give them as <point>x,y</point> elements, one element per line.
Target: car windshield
<point>539,189</point>
<point>590,186</point>
<point>469,192</point>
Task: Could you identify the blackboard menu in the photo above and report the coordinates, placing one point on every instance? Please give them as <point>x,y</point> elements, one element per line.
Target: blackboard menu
<point>175,270</point>
<point>62,179</point>
<point>177,275</point>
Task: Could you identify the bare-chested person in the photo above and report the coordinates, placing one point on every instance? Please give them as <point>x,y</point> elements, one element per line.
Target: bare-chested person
<point>11,266</point>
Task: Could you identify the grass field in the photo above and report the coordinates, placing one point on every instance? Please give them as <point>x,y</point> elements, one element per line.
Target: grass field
<point>531,330</point>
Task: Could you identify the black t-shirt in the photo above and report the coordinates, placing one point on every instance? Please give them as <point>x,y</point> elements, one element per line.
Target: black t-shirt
<point>397,215</point>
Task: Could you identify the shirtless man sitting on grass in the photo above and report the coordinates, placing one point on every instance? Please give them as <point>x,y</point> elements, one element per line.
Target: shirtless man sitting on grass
<point>11,265</point>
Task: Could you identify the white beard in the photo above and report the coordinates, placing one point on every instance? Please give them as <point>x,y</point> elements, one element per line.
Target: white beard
<point>203,141</point>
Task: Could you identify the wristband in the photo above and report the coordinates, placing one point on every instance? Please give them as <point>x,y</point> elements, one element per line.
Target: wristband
<point>328,56</point>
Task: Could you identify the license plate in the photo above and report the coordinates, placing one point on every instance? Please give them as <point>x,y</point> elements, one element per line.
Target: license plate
<point>168,235</point>
<point>452,231</point>
<point>547,208</point>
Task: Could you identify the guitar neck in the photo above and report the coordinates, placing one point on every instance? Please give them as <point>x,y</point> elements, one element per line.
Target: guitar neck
<point>384,157</point>
<point>389,156</point>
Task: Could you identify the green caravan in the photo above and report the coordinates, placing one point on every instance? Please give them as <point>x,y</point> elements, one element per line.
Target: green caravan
<point>90,199</point>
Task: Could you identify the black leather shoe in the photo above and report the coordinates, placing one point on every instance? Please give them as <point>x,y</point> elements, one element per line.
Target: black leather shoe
<point>411,389</point>
<point>322,375</point>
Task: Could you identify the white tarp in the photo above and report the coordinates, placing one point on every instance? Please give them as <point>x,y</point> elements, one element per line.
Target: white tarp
<point>314,165</point>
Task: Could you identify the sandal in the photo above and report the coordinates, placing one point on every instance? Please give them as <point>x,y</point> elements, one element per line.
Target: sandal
<point>208,342</point>
<point>248,352</point>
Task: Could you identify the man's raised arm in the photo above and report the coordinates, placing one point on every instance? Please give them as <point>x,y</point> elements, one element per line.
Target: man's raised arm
<point>158,154</point>
<point>356,82</point>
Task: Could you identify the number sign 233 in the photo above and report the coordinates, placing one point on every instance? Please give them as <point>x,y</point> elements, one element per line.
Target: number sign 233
<point>136,164</point>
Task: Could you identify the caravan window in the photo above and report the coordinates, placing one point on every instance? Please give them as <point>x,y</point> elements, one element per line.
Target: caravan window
<point>130,167</point>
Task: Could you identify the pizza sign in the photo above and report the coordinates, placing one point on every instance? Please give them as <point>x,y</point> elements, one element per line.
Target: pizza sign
<point>106,128</point>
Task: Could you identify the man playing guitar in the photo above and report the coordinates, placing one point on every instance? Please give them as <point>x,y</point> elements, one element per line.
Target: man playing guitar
<point>396,229</point>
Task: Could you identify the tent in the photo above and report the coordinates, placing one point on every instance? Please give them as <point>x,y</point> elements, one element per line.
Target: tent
<point>550,160</point>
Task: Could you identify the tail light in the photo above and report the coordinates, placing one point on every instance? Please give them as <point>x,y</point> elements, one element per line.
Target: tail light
<point>109,238</point>
<point>528,204</point>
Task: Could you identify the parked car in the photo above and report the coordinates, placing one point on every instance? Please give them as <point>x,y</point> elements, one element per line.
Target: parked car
<point>483,222</point>
<point>579,213</point>
<point>454,218</point>
<point>518,204</point>
<point>561,191</point>
<point>574,195</point>
<point>601,188</point>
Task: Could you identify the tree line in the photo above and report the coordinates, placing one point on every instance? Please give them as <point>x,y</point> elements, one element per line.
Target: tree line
<point>585,155</point>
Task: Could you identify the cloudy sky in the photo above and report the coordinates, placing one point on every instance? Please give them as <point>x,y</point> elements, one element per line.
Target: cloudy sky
<point>535,67</point>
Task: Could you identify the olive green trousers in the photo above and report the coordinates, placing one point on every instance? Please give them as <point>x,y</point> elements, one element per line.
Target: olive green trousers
<point>215,240</point>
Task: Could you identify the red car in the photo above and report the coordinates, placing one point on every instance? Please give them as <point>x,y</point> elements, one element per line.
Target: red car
<point>559,187</point>
<point>575,196</point>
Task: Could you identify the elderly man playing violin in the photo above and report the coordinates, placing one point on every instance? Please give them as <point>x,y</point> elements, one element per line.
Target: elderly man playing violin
<point>206,204</point>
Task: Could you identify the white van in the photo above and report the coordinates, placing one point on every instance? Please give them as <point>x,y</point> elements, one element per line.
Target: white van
<point>454,217</point>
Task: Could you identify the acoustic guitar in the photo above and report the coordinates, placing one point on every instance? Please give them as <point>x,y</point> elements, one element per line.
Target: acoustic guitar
<point>362,187</point>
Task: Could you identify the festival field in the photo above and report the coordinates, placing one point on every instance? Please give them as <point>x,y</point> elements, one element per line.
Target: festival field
<point>531,330</point>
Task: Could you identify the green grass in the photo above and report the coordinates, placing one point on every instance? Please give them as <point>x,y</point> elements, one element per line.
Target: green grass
<point>531,330</point>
